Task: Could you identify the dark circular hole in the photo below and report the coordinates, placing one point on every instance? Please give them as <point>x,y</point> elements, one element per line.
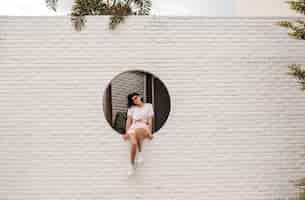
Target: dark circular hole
<point>148,86</point>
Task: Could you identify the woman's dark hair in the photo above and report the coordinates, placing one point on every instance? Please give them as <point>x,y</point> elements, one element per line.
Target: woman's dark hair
<point>129,99</point>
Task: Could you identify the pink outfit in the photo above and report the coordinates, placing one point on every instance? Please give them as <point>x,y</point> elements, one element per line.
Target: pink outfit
<point>139,116</point>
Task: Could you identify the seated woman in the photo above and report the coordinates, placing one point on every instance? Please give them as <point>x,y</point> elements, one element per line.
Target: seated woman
<point>138,126</point>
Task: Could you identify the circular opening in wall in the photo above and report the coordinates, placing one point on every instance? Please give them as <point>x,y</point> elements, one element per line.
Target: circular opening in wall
<point>138,96</point>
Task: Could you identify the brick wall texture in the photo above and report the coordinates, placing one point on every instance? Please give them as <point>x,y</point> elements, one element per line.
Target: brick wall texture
<point>235,131</point>
<point>122,85</point>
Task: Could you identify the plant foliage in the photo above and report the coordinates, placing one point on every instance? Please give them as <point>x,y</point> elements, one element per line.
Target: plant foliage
<point>118,9</point>
<point>52,4</point>
<point>297,31</point>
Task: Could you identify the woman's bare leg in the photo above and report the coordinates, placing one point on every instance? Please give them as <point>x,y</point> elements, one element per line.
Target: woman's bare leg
<point>134,144</point>
<point>140,137</point>
<point>141,134</point>
<point>139,143</point>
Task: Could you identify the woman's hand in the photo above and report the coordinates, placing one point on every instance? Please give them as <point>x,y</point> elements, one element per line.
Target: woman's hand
<point>150,135</point>
<point>125,136</point>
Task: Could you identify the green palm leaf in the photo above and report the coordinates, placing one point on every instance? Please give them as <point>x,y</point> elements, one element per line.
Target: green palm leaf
<point>52,4</point>
<point>296,29</point>
<point>118,9</point>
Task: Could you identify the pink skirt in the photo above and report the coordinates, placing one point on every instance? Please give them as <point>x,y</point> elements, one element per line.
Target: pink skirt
<point>136,125</point>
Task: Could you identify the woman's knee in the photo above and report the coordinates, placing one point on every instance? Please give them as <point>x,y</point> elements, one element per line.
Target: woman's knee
<point>145,133</point>
<point>133,139</point>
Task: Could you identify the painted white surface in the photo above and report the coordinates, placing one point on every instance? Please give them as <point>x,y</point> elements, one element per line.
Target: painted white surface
<point>236,128</point>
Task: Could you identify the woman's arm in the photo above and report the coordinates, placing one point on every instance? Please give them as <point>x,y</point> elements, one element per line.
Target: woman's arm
<point>149,121</point>
<point>128,122</point>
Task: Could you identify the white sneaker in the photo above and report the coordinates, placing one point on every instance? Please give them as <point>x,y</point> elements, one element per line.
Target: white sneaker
<point>131,169</point>
<point>139,158</point>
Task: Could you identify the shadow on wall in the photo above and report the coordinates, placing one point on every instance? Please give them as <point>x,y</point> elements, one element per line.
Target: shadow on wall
<point>147,85</point>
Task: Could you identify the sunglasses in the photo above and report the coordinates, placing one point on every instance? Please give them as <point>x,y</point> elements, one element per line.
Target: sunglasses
<point>135,97</point>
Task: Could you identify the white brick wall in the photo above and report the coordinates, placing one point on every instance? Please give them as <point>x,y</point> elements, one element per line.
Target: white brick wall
<point>236,128</point>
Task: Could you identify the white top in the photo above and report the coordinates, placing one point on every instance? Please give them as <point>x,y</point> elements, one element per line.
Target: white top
<point>141,113</point>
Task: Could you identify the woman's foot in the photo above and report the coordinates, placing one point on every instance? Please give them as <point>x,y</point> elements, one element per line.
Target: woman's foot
<point>131,169</point>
